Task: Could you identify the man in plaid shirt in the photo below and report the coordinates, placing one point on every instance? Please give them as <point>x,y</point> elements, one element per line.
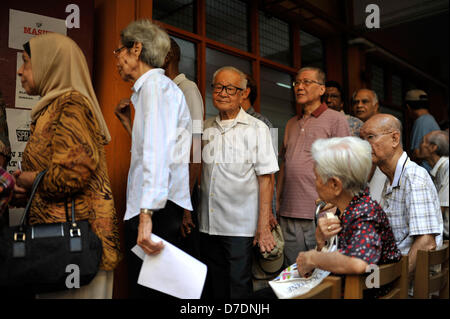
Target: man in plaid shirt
<point>409,196</point>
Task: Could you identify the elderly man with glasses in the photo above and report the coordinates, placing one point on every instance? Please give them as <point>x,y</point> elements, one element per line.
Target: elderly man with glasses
<point>297,193</point>
<point>409,197</point>
<point>237,161</point>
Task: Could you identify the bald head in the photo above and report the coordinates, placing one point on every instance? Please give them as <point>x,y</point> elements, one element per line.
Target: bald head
<point>383,132</point>
<point>385,122</point>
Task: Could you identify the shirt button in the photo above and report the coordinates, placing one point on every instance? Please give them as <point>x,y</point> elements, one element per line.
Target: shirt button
<point>212,210</point>
<point>212,195</point>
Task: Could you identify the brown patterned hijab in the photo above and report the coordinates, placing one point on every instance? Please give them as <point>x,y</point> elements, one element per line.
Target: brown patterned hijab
<point>59,66</point>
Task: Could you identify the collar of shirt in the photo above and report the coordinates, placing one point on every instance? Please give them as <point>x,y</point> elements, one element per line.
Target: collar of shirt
<point>436,167</point>
<point>398,172</point>
<point>138,84</point>
<point>317,112</point>
<point>179,78</point>
<point>242,117</point>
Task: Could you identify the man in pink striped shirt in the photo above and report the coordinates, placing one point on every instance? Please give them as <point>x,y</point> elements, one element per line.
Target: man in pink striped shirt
<point>297,194</point>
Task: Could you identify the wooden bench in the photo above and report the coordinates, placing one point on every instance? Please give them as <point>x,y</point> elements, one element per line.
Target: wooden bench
<point>426,282</point>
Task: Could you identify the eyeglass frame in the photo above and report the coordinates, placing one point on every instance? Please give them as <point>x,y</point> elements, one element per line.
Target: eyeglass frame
<point>297,83</point>
<point>372,137</point>
<point>226,89</point>
<point>116,52</point>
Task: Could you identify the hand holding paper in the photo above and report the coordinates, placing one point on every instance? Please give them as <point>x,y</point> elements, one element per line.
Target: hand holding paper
<point>172,271</point>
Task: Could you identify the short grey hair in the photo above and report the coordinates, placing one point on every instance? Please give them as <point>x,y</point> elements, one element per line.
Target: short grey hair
<point>155,41</point>
<point>375,96</point>
<point>320,75</point>
<point>440,139</point>
<point>232,68</point>
<point>347,158</point>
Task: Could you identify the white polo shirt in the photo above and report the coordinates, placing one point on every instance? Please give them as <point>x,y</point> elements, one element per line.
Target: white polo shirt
<point>234,154</point>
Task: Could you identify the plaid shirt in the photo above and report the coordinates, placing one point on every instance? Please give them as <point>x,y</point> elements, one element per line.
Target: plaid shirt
<point>412,204</point>
<point>6,187</point>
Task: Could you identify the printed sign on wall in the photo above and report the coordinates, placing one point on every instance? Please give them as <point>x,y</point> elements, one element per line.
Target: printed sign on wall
<point>19,132</point>
<point>23,100</point>
<point>24,25</point>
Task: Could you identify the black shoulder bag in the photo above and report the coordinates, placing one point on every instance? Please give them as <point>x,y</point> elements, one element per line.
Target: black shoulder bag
<point>48,257</point>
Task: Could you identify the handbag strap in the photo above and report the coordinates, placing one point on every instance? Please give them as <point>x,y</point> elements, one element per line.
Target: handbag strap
<point>34,188</point>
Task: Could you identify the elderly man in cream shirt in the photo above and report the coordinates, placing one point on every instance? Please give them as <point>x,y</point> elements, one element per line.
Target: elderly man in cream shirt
<point>237,161</point>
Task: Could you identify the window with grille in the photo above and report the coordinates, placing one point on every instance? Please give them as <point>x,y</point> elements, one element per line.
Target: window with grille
<point>188,60</point>
<point>274,39</point>
<point>377,81</point>
<point>311,51</point>
<point>277,99</point>
<point>227,21</point>
<point>179,13</point>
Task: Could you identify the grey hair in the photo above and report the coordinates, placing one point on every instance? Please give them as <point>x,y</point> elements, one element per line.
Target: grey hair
<point>320,75</point>
<point>232,68</point>
<point>347,158</point>
<point>375,96</point>
<point>155,41</point>
<point>440,139</point>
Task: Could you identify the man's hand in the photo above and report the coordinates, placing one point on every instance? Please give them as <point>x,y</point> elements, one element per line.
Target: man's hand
<point>305,265</point>
<point>123,113</point>
<point>272,221</point>
<point>144,236</point>
<point>187,224</point>
<point>264,239</point>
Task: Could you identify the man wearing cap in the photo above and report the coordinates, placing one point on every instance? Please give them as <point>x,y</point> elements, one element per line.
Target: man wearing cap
<point>418,107</point>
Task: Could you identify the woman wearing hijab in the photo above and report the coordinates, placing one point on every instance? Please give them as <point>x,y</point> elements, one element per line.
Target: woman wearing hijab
<point>68,135</point>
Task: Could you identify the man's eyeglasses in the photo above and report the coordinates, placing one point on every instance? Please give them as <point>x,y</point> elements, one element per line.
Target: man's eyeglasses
<point>230,89</point>
<point>373,137</point>
<point>305,82</point>
<point>117,51</point>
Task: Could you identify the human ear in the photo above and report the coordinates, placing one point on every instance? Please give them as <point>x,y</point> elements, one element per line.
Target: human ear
<point>336,185</point>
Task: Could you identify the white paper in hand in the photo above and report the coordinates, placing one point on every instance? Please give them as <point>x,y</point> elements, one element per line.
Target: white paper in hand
<point>172,271</point>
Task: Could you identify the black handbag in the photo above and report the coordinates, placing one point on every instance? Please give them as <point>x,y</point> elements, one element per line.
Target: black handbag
<point>48,257</point>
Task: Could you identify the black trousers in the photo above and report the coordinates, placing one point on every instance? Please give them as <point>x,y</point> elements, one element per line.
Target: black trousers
<point>229,261</point>
<point>166,224</point>
<point>191,243</point>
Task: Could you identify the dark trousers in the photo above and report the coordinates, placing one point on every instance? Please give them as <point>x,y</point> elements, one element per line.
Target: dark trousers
<point>166,224</point>
<point>191,243</point>
<point>229,261</point>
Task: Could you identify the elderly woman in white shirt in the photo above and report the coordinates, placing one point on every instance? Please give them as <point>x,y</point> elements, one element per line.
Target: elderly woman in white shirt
<point>158,179</point>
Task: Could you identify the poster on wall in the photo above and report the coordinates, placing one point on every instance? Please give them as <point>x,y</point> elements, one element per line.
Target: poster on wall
<point>19,132</point>
<point>23,100</point>
<point>24,25</point>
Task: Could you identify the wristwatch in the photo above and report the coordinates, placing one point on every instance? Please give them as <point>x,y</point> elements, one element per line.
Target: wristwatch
<point>146,211</point>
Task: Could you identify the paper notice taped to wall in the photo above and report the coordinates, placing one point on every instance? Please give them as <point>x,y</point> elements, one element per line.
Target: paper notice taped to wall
<point>23,100</point>
<point>24,25</point>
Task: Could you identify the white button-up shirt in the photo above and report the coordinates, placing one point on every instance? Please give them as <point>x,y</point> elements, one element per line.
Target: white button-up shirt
<point>159,153</point>
<point>233,155</point>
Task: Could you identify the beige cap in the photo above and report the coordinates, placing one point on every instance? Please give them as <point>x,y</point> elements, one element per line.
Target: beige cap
<point>416,95</point>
